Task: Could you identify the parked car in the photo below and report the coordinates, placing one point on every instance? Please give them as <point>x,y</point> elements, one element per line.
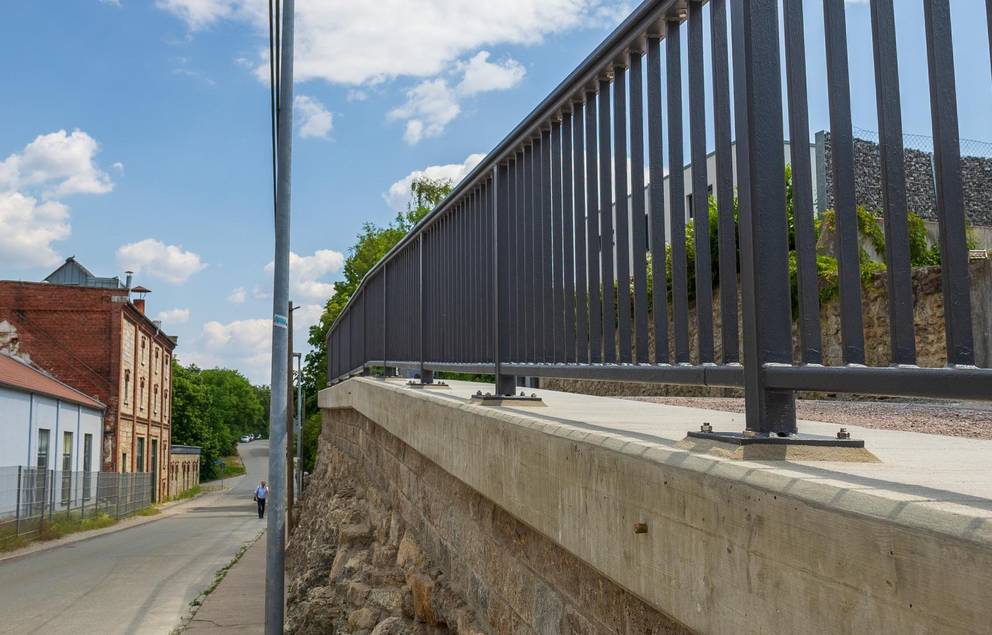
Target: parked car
<point>245,438</point>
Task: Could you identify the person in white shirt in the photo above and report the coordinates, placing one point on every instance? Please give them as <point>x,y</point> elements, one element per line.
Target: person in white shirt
<point>261,493</point>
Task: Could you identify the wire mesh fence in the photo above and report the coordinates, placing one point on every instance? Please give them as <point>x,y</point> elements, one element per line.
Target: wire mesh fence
<point>32,498</point>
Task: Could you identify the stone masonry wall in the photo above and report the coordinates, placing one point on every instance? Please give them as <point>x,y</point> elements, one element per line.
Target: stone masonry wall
<point>976,180</point>
<point>389,543</point>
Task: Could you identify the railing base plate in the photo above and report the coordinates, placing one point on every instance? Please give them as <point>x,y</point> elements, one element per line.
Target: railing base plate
<point>520,400</point>
<point>437,385</point>
<point>797,447</point>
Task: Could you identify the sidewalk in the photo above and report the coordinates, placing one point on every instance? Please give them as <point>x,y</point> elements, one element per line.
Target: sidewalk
<point>237,605</point>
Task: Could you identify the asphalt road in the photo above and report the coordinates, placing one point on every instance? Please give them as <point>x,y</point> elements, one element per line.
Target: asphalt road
<point>140,580</point>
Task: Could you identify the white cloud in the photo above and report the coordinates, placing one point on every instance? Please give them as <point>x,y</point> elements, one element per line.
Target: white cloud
<point>246,345</point>
<point>480,75</point>
<point>430,106</point>
<point>425,39</point>
<point>115,3</point>
<point>28,228</point>
<point>305,273</point>
<point>174,316</point>
<point>52,166</point>
<point>59,164</point>
<point>356,94</point>
<point>313,119</point>
<point>238,296</point>
<point>201,13</point>
<point>399,192</point>
<point>170,263</point>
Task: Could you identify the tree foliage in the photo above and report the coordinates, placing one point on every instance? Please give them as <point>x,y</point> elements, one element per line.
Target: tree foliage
<point>371,244</point>
<point>211,409</point>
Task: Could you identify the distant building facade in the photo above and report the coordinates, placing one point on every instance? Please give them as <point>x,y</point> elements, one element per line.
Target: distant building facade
<point>90,333</point>
<point>184,469</point>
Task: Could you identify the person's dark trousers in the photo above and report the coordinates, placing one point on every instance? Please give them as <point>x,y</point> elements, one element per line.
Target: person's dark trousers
<point>261,507</point>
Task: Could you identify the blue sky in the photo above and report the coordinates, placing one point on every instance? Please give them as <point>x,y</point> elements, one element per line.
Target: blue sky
<point>136,133</point>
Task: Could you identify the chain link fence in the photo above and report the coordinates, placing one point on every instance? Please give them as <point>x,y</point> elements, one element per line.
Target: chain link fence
<point>31,498</point>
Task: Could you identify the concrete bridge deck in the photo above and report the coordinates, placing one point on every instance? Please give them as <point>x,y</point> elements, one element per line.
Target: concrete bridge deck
<point>902,545</point>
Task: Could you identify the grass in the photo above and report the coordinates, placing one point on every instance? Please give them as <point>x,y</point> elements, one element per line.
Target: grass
<point>59,527</point>
<point>190,493</point>
<point>232,466</point>
<point>151,510</point>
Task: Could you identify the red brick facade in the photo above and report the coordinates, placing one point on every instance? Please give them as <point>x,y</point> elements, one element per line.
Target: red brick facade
<point>78,334</point>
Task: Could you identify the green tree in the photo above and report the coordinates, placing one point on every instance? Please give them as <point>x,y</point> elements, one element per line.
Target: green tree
<point>211,409</point>
<point>371,244</point>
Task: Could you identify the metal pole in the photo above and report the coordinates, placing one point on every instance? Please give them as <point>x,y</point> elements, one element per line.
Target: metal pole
<point>276,524</point>
<point>17,521</point>
<point>299,424</point>
<point>290,412</point>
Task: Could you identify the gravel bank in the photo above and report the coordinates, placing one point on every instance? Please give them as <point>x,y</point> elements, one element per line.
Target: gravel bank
<point>973,420</point>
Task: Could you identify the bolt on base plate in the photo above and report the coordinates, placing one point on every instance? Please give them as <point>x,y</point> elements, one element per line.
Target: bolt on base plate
<point>521,400</point>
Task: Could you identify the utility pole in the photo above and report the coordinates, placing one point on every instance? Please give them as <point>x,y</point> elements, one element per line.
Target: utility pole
<point>275,558</point>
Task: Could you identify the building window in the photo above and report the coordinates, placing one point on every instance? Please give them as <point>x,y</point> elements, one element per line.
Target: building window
<point>142,351</point>
<point>87,465</point>
<point>141,397</point>
<point>140,456</point>
<point>66,467</point>
<point>124,462</point>
<point>42,461</point>
<point>127,385</point>
<point>155,401</point>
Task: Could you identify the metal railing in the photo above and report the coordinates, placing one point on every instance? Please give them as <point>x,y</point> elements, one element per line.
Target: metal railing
<point>31,498</point>
<point>519,272</point>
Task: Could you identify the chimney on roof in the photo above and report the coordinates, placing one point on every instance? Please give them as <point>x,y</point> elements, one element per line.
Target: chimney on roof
<point>139,302</point>
<point>127,281</point>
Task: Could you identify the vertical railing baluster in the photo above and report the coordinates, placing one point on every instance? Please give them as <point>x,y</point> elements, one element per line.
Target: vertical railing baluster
<point>513,258</point>
<point>533,255</point>
<point>676,192</point>
<point>622,210</point>
<point>569,237</point>
<point>954,274</point>
<point>606,237</point>
<point>726,224</point>
<point>764,234</point>
<point>656,201</point>
<point>505,384</point>
<point>638,218</point>
<point>558,244</point>
<point>581,235</point>
<point>700,188</point>
<point>547,253</point>
<point>846,244</point>
<point>802,185</point>
<point>593,239</point>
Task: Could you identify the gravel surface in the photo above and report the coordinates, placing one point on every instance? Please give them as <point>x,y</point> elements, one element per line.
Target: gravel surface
<point>968,419</point>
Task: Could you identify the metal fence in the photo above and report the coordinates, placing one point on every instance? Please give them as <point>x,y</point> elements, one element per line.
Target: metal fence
<point>537,264</point>
<point>31,498</point>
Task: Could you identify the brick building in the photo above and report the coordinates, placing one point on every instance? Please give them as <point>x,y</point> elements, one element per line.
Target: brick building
<point>93,334</point>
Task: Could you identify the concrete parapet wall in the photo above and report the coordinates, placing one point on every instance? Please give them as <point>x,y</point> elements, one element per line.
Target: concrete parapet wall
<point>730,547</point>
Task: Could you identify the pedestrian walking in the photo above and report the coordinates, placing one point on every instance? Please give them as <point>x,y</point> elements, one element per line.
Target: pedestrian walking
<point>261,493</point>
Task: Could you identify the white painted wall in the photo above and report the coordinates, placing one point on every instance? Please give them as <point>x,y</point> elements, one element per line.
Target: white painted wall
<point>22,415</point>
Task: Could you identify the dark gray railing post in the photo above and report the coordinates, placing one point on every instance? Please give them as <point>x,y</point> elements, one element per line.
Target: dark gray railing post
<point>385,320</point>
<point>763,229</point>
<point>505,384</point>
<point>426,376</point>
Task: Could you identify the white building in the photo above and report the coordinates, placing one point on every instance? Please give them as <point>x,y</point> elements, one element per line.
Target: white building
<point>45,424</point>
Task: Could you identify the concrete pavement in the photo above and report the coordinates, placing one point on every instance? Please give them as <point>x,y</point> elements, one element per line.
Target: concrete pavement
<point>140,580</point>
<point>237,605</point>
